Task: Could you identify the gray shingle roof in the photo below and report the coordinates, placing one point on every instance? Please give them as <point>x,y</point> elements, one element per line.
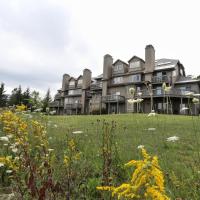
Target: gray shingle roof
<point>165,63</point>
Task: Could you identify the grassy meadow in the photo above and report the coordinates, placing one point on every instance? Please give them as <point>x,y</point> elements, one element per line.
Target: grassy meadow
<point>179,159</point>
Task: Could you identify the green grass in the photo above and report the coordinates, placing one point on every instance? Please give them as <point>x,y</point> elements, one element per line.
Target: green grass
<point>179,160</point>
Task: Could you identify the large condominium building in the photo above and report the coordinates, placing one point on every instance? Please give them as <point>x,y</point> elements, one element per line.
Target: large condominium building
<point>110,91</point>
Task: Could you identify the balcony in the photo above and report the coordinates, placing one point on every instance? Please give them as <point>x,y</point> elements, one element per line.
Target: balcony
<point>160,79</point>
<point>96,86</point>
<point>56,104</point>
<point>160,93</point>
<point>113,98</point>
<point>71,106</point>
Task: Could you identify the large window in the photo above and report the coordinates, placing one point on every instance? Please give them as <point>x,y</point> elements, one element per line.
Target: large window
<point>158,90</point>
<point>135,64</point>
<point>117,80</point>
<point>80,81</point>
<point>72,83</point>
<point>74,92</point>
<point>135,78</point>
<point>118,67</point>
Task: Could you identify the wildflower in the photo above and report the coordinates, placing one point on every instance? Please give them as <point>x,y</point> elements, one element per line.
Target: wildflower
<point>1,164</point>
<point>9,171</point>
<point>172,139</point>
<point>4,139</point>
<point>195,100</point>
<point>152,113</point>
<point>140,146</point>
<point>151,129</point>
<point>139,94</point>
<point>52,112</point>
<point>147,181</point>
<point>14,150</point>
<point>55,126</point>
<point>189,93</point>
<point>50,138</point>
<point>5,144</point>
<point>50,150</point>
<point>77,132</point>
<point>132,91</point>
<point>184,108</point>
<point>135,101</point>
<point>10,136</point>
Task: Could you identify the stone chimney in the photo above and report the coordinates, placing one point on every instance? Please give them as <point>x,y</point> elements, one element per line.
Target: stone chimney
<point>149,59</point>
<point>107,72</point>
<point>65,82</point>
<point>87,76</point>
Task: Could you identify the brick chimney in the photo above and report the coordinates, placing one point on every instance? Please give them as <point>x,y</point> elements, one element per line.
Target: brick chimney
<point>107,72</point>
<point>149,59</point>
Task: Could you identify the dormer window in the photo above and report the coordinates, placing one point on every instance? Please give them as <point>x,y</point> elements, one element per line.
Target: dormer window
<point>80,81</point>
<point>135,64</point>
<point>72,83</point>
<point>118,67</point>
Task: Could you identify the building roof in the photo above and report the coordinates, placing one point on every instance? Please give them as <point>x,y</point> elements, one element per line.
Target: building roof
<point>164,63</point>
<point>187,79</point>
<point>135,57</point>
<point>118,60</point>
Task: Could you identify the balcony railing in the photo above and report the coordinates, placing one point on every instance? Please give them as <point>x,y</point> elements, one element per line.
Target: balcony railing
<point>160,79</point>
<point>96,86</point>
<point>73,106</point>
<point>160,93</point>
<point>56,104</point>
<point>113,98</point>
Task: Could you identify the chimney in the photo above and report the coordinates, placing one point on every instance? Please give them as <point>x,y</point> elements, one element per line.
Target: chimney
<point>87,74</point>
<point>65,82</point>
<point>149,59</point>
<point>107,66</point>
<point>107,72</point>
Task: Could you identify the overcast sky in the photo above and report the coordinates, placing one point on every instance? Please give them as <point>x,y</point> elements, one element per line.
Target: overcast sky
<point>40,40</point>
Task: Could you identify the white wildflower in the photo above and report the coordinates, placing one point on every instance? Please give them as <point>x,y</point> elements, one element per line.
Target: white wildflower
<point>139,94</point>
<point>151,129</point>
<point>135,101</point>
<point>4,139</point>
<point>50,138</point>
<point>77,132</point>
<point>195,100</point>
<point>14,150</point>
<point>140,146</point>
<point>172,139</point>
<point>10,136</point>
<point>189,93</point>
<point>196,95</point>
<point>152,113</point>
<point>184,108</point>
<point>52,112</point>
<point>1,164</point>
<point>50,150</point>
<point>8,171</point>
<point>55,126</point>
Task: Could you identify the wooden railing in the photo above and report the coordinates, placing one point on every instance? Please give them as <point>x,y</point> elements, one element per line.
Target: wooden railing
<point>160,79</point>
<point>113,98</point>
<point>72,106</point>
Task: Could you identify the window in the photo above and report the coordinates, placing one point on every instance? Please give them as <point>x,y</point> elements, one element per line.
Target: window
<point>118,67</point>
<point>158,90</point>
<point>135,78</point>
<point>71,83</point>
<point>80,81</point>
<point>118,80</point>
<point>135,64</point>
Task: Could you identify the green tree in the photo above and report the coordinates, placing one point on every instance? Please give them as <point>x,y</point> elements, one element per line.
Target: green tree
<point>3,96</point>
<point>47,99</point>
<point>26,97</point>
<point>16,96</point>
<point>35,100</point>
